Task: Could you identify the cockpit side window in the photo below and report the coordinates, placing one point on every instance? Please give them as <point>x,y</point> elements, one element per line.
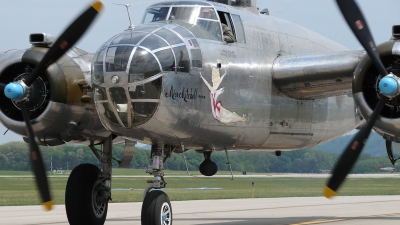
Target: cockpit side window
<point>208,13</point>
<point>186,14</point>
<point>227,27</point>
<point>234,24</point>
<point>208,20</point>
<point>238,28</point>
<point>156,14</point>
<point>227,21</point>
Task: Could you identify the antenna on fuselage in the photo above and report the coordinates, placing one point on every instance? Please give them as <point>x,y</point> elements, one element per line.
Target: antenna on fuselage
<point>131,26</point>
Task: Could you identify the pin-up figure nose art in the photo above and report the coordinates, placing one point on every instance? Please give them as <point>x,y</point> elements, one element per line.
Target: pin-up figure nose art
<point>220,113</point>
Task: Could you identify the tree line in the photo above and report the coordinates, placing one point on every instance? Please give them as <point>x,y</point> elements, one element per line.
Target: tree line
<point>14,156</point>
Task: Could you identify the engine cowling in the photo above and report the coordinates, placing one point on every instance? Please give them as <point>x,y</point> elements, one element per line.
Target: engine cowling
<point>366,92</point>
<point>60,101</point>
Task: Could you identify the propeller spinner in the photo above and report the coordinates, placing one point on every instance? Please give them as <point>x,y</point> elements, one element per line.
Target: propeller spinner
<point>19,91</point>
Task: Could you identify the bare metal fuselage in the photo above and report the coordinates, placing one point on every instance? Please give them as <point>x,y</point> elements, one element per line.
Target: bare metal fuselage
<point>265,117</point>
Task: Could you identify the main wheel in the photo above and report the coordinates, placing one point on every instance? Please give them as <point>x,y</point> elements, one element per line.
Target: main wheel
<point>82,197</point>
<point>156,209</point>
<point>208,168</point>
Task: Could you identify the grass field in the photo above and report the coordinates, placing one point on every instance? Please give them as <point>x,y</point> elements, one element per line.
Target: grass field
<point>22,190</point>
<point>122,172</point>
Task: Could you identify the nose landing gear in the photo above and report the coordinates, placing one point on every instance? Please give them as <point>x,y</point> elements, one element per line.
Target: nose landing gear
<point>157,208</point>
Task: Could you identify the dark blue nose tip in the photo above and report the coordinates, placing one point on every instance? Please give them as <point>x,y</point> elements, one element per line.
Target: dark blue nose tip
<point>14,91</point>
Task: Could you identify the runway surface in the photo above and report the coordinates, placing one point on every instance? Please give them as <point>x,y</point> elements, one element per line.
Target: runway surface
<point>287,175</point>
<point>364,210</point>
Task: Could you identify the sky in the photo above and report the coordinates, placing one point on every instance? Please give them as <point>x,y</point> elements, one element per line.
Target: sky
<point>19,18</point>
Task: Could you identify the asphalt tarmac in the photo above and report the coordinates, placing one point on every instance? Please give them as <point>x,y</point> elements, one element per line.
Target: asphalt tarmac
<point>292,211</point>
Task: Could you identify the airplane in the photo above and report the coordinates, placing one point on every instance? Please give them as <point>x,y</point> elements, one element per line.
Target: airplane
<point>174,82</point>
<point>387,169</point>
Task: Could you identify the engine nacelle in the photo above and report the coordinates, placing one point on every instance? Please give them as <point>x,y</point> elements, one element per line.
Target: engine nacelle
<point>366,93</point>
<point>60,102</point>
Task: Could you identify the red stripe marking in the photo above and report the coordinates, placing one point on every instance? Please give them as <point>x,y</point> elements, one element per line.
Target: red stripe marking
<point>359,24</point>
<point>64,45</point>
<point>354,145</point>
<point>34,156</point>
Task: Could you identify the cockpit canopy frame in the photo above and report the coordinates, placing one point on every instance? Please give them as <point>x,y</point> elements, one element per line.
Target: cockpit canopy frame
<point>196,15</point>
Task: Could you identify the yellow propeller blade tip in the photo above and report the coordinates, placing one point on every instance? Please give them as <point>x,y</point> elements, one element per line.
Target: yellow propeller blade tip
<point>329,193</point>
<point>48,205</point>
<point>98,6</point>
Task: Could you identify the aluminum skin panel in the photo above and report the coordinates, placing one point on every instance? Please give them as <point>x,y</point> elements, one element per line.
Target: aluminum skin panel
<point>313,76</point>
<point>236,104</point>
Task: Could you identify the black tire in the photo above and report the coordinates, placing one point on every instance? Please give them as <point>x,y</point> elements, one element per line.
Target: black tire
<point>156,209</point>
<point>80,205</point>
<point>208,168</point>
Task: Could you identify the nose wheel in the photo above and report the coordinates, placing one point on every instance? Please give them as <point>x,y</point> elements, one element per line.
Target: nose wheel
<point>156,209</point>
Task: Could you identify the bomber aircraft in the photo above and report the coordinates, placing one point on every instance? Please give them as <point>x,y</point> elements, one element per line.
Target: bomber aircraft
<point>201,75</point>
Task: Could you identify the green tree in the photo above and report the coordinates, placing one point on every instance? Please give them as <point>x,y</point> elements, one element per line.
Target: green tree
<point>3,162</point>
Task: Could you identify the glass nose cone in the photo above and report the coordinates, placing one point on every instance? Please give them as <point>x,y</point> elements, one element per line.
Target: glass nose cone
<point>127,71</point>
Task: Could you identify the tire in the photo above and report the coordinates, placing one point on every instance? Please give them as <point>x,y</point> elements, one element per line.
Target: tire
<point>80,204</point>
<point>208,168</point>
<point>156,209</point>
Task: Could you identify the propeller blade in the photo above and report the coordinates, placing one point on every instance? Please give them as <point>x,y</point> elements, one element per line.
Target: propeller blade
<point>67,39</point>
<point>37,161</point>
<point>359,26</point>
<point>70,36</point>
<point>352,152</point>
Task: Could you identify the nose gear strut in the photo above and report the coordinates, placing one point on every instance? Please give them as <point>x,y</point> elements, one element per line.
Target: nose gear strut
<point>156,208</point>
<point>156,169</point>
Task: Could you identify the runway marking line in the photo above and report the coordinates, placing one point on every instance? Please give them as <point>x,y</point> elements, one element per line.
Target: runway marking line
<point>318,222</point>
<point>351,218</point>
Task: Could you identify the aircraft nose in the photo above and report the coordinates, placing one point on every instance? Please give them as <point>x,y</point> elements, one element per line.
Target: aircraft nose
<point>127,72</point>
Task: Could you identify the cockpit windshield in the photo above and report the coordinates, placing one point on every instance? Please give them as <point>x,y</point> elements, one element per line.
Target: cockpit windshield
<point>156,14</point>
<point>204,18</point>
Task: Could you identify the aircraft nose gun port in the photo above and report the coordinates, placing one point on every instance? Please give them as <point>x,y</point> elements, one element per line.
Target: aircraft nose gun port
<point>127,73</point>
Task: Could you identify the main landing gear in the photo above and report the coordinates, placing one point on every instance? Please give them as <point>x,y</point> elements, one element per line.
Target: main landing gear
<point>84,202</point>
<point>89,190</point>
<point>156,208</point>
